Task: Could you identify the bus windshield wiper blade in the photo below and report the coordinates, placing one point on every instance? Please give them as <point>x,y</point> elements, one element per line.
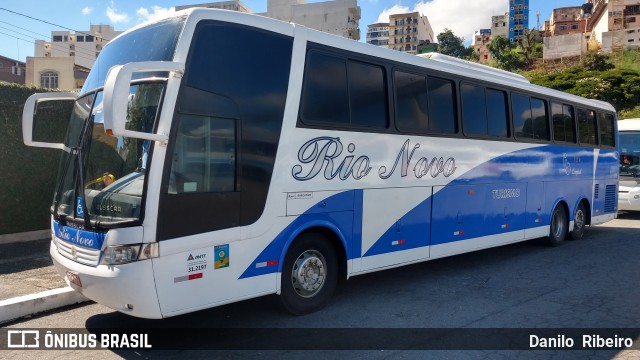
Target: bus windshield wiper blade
<point>73,152</point>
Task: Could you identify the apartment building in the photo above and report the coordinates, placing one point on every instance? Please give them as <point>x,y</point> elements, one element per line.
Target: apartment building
<point>518,19</point>
<point>378,34</point>
<point>482,38</point>
<point>11,71</point>
<point>234,5</point>
<point>565,20</point>
<point>82,46</point>
<point>407,31</point>
<point>339,17</point>
<point>615,23</point>
<point>65,61</point>
<point>500,25</point>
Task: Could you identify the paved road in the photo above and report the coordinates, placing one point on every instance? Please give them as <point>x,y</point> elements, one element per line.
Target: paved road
<point>590,283</point>
<point>26,268</point>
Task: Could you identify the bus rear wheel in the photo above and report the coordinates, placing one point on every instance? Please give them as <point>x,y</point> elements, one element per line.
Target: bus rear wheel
<point>558,226</point>
<point>309,274</point>
<point>579,223</point>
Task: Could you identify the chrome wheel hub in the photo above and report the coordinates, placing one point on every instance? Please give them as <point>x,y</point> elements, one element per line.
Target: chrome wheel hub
<point>309,273</point>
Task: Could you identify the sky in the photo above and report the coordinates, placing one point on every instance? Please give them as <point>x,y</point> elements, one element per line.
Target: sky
<point>18,33</point>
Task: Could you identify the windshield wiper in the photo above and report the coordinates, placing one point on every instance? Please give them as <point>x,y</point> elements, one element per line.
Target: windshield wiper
<point>72,153</point>
<point>80,168</point>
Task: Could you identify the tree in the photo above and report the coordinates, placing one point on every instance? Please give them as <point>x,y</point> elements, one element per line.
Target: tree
<point>593,61</point>
<point>505,54</point>
<point>531,46</point>
<point>450,44</point>
<point>473,54</point>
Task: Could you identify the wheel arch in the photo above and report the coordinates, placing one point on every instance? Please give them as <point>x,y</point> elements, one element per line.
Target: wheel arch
<point>561,202</point>
<point>587,208</point>
<point>330,231</point>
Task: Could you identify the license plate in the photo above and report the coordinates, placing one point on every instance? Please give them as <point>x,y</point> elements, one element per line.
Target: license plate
<point>74,278</point>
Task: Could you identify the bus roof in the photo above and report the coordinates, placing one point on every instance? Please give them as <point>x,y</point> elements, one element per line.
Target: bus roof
<point>433,61</point>
<point>478,67</point>
<point>629,124</point>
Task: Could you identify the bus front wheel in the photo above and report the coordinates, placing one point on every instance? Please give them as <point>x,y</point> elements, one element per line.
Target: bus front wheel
<point>309,274</point>
<point>558,226</point>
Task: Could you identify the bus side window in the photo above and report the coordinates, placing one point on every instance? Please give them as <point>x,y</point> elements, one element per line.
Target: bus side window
<point>607,135</point>
<point>530,117</point>
<point>204,158</point>
<point>587,127</point>
<point>411,101</point>
<point>442,106</point>
<point>563,123</point>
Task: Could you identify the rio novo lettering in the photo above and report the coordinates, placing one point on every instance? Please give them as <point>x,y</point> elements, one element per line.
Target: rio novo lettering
<point>325,155</point>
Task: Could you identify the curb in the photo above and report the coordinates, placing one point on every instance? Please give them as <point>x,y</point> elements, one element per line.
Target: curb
<point>15,308</point>
<point>25,236</point>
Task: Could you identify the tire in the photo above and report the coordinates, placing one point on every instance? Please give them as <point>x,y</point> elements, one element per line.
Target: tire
<point>579,223</point>
<point>558,226</point>
<point>309,274</point>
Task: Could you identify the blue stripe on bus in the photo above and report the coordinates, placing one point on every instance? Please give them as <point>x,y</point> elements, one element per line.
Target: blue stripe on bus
<point>340,222</point>
<point>465,206</point>
<point>409,232</point>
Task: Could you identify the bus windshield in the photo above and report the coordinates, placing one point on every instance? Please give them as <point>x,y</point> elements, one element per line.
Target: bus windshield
<point>101,180</point>
<point>630,154</point>
<point>108,170</point>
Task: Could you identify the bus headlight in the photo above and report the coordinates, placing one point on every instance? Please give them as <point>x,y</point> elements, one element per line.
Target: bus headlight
<point>123,254</point>
<point>116,255</point>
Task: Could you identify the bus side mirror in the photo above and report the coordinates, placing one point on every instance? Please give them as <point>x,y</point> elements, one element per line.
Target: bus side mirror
<point>45,118</point>
<point>116,97</point>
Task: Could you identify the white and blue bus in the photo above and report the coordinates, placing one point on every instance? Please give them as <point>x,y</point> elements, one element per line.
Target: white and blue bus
<point>217,156</point>
<point>629,141</point>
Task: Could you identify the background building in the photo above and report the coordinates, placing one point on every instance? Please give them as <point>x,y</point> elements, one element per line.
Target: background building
<point>55,73</point>
<point>500,25</point>
<point>615,23</point>
<point>234,5</point>
<point>65,61</point>
<point>339,17</point>
<point>566,20</point>
<point>407,31</point>
<point>12,71</point>
<point>378,34</point>
<point>518,19</point>
<point>482,38</point>
<point>82,46</point>
<point>607,25</point>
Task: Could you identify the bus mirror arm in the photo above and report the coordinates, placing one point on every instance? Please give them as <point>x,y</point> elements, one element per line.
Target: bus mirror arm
<point>116,97</point>
<point>29,112</point>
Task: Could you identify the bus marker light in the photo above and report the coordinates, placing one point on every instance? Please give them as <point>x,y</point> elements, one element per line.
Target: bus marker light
<point>538,220</point>
<point>461,232</point>
<point>187,278</point>
<point>267,263</point>
<point>195,276</point>
<point>505,226</point>
<point>397,242</point>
